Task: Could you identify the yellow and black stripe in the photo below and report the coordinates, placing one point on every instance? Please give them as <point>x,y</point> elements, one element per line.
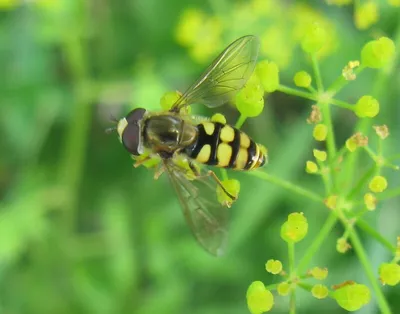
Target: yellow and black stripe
<point>224,146</point>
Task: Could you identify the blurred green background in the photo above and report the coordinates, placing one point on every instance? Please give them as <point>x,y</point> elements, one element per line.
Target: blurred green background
<point>81,231</point>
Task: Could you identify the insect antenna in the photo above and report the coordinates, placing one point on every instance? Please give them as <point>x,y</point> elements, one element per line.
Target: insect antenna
<point>110,130</point>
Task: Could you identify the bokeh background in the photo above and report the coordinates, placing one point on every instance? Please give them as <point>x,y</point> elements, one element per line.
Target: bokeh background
<point>81,231</point>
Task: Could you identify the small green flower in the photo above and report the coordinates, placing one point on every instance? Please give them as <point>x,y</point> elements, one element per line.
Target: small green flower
<point>352,297</point>
<point>314,39</point>
<point>319,273</point>
<point>377,53</point>
<point>331,201</point>
<point>218,117</point>
<point>232,186</point>
<point>284,288</point>
<point>389,274</point>
<point>366,14</point>
<point>302,79</point>
<point>268,73</point>
<point>319,154</point>
<point>295,228</point>
<point>370,201</point>
<point>356,140</point>
<point>382,131</point>
<point>320,132</point>
<point>259,299</point>
<point>311,167</point>
<point>250,99</point>
<point>168,99</point>
<point>319,291</point>
<point>342,246</point>
<point>273,266</point>
<point>378,184</point>
<point>367,106</point>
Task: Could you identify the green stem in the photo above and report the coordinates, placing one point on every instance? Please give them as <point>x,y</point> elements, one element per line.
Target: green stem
<point>363,225</point>
<point>296,92</point>
<point>287,185</point>
<point>362,182</point>
<point>71,167</point>
<point>340,82</point>
<point>240,121</point>
<point>292,275</point>
<point>316,244</point>
<point>342,104</point>
<point>326,114</point>
<point>224,174</point>
<point>359,249</point>
<point>317,73</point>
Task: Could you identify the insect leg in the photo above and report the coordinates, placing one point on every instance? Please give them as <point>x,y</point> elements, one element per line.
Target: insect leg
<point>142,161</point>
<point>214,176</point>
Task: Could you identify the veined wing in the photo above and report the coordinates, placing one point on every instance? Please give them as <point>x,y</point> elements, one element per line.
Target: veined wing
<point>224,77</point>
<point>205,216</point>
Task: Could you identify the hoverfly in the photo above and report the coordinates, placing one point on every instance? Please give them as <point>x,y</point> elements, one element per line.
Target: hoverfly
<point>174,136</point>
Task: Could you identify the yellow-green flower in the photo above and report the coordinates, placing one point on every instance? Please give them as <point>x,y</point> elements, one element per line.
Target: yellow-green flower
<point>302,79</point>
<point>250,99</point>
<point>320,154</point>
<point>168,99</point>
<point>273,266</point>
<point>295,228</point>
<point>314,39</point>
<point>389,274</point>
<point>377,53</point>
<point>370,201</point>
<point>319,291</point>
<point>352,297</point>
<point>320,132</point>
<point>367,106</point>
<point>259,299</point>
<point>319,273</point>
<point>311,167</point>
<point>366,14</point>
<point>268,74</point>
<point>378,184</point>
<point>283,288</point>
<point>342,246</point>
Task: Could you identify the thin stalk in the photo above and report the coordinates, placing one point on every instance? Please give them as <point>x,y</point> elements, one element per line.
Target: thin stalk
<point>317,73</point>
<point>342,104</point>
<point>363,225</point>
<point>292,274</point>
<point>295,92</point>
<point>316,244</point>
<point>362,182</point>
<point>239,123</point>
<point>286,185</point>
<point>372,276</point>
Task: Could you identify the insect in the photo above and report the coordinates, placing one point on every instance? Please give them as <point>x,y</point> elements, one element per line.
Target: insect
<point>182,143</point>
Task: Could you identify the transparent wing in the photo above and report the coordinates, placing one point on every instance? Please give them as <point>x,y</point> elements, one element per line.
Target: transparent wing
<point>206,217</point>
<point>224,77</point>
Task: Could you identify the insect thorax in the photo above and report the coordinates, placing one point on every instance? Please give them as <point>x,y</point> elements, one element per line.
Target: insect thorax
<point>168,133</point>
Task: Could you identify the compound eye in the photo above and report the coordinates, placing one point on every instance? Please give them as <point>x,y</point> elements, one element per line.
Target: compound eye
<point>135,115</point>
<point>131,138</point>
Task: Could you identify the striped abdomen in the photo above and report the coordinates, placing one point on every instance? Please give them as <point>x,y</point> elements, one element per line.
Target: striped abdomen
<point>222,145</point>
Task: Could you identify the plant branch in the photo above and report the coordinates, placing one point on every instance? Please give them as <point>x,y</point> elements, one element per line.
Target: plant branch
<point>286,185</point>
